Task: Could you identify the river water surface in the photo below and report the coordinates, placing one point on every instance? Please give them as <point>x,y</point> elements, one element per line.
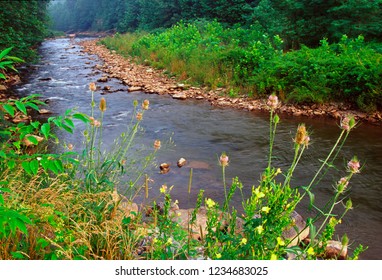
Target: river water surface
<point>200,133</point>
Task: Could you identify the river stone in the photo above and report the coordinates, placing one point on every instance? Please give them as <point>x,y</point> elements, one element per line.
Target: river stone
<point>297,231</point>
<point>132,89</point>
<point>103,79</point>
<point>180,96</point>
<point>181,162</point>
<point>199,228</point>
<point>335,250</point>
<point>3,88</point>
<point>44,111</point>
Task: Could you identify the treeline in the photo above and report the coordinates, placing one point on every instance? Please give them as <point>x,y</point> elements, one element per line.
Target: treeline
<point>297,22</point>
<point>23,25</point>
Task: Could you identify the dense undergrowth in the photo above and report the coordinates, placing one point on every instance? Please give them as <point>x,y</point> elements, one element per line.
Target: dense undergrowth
<point>247,61</point>
<point>80,205</point>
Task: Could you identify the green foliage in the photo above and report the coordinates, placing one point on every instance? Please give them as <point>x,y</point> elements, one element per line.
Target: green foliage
<point>23,26</point>
<point>7,62</point>
<point>246,60</point>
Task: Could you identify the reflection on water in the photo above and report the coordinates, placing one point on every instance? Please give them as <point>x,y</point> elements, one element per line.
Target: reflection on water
<point>200,133</point>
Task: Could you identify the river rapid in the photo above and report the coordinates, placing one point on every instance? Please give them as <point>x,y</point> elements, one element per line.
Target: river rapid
<point>200,132</point>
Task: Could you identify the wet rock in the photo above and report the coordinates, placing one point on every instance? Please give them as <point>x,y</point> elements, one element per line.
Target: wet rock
<point>45,79</point>
<point>3,88</point>
<point>297,231</point>
<point>164,168</point>
<point>132,89</point>
<point>181,162</point>
<point>199,228</point>
<point>107,88</point>
<point>180,96</point>
<point>44,111</point>
<point>335,250</point>
<point>103,79</point>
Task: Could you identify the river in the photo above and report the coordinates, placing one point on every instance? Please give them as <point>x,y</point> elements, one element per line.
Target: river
<point>201,132</point>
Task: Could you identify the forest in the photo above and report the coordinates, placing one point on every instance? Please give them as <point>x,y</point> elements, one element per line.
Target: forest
<point>297,22</point>
<point>23,24</point>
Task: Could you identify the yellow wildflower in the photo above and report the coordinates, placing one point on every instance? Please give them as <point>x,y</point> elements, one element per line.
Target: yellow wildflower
<point>163,189</point>
<point>169,241</point>
<point>210,203</point>
<point>265,209</point>
<point>258,193</point>
<point>218,255</point>
<point>280,241</point>
<point>310,251</point>
<point>243,241</point>
<point>259,229</point>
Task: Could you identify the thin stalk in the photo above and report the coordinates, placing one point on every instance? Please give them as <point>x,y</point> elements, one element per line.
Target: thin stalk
<point>325,162</point>
<point>224,182</point>
<point>270,140</point>
<point>296,159</point>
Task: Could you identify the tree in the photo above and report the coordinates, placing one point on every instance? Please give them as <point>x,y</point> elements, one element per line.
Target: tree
<point>22,25</point>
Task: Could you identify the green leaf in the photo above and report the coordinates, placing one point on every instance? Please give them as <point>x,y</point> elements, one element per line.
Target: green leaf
<point>34,166</point>
<point>9,109</point>
<point>32,139</point>
<point>32,105</point>
<point>18,256</point>
<point>26,167</point>
<point>81,117</point>
<point>5,52</point>
<point>35,124</point>
<point>45,130</point>
<point>11,164</point>
<point>21,107</point>
<point>69,122</point>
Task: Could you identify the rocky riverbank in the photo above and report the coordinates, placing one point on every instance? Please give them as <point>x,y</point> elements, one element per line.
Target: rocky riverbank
<point>144,78</point>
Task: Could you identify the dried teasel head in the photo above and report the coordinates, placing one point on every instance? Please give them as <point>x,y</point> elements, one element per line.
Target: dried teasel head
<point>102,105</point>
<point>92,87</point>
<point>301,135</point>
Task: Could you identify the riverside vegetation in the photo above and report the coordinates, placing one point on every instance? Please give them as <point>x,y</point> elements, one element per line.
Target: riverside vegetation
<point>246,61</point>
<point>79,205</point>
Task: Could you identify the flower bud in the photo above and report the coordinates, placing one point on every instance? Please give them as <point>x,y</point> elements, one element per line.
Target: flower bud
<point>273,102</point>
<point>139,116</point>
<point>92,87</point>
<point>301,135</point>
<point>342,184</point>
<point>157,144</point>
<point>345,240</point>
<point>145,104</point>
<point>224,159</point>
<point>349,204</point>
<point>102,105</point>
<point>354,165</point>
<point>347,123</point>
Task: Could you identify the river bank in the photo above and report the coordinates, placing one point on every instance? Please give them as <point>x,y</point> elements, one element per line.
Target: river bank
<point>145,78</point>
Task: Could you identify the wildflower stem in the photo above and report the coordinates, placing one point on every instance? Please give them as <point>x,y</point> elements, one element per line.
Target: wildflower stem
<point>224,182</point>
<point>326,161</point>
<point>271,134</point>
<point>296,159</point>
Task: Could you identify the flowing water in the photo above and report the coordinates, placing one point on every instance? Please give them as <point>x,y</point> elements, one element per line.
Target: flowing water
<point>200,133</point>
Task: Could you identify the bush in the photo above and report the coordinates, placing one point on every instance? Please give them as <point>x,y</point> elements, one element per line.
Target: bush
<point>248,61</point>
